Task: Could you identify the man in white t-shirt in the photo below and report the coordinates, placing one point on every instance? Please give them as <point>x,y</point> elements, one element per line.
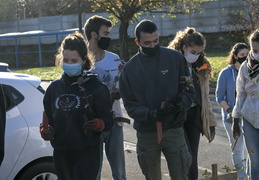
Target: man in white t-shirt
<point>107,67</point>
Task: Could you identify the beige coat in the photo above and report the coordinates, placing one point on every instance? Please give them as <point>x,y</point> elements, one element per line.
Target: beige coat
<point>207,116</point>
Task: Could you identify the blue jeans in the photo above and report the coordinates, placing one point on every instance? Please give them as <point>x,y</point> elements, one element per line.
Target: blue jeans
<point>238,153</point>
<point>251,135</point>
<point>114,150</point>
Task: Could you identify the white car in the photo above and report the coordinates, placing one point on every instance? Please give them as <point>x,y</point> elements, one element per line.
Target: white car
<point>4,67</point>
<point>27,155</point>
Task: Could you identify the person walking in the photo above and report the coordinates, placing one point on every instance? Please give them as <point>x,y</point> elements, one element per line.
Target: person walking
<point>77,109</point>
<point>247,103</point>
<point>108,66</point>
<point>157,91</point>
<point>200,118</point>
<point>225,97</point>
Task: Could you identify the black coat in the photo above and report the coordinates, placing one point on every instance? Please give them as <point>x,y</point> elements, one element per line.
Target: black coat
<point>66,104</point>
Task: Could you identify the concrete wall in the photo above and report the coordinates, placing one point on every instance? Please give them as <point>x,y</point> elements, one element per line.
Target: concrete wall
<point>216,17</point>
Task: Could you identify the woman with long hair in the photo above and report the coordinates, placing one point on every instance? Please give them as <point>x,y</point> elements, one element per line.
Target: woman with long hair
<point>77,108</point>
<point>200,119</point>
<point>247,105</point>
<point>225,97</point>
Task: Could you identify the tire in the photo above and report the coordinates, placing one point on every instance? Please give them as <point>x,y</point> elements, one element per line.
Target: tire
<point>40,171</point>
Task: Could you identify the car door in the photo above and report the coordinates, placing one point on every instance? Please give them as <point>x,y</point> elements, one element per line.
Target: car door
<point>16,132</point>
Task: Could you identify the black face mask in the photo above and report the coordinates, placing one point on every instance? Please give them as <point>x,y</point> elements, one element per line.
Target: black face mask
<point>104,43</point>
<point>241,60</point>
<point>150,51</point>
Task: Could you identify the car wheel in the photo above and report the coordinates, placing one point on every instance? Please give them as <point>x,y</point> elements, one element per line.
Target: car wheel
<point>40,171</point>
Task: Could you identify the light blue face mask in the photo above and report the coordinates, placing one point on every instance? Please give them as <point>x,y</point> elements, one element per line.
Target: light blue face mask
<point>72,69</point>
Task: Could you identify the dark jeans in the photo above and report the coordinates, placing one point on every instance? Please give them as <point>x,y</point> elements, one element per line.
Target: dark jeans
<point>193,132</point>
<point>174,148</point>
<point>77,165</point>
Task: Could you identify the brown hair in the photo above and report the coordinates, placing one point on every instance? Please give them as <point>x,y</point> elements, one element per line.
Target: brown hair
<point>234,51</point>
<point>190,37</point>
<point>75,42</point>
<point>94,23</point>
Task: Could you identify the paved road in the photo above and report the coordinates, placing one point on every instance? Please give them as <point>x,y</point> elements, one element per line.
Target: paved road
<point>218,152</point>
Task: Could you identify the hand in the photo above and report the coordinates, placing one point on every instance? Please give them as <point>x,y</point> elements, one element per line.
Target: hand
<point>236,129</point>
<point>229,116</point>
<point>94,125</point>
<point>158,114</point>
<point>47,134</point>
<point>115,94</point>
<point>212,133</point>
<point>172,107</point>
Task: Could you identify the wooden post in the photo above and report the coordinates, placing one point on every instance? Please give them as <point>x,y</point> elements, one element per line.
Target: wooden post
<point>215,176</point>
<point>214,172</point>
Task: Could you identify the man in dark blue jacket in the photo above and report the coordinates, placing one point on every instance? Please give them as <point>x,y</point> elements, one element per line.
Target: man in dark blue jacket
<point>156,90</point>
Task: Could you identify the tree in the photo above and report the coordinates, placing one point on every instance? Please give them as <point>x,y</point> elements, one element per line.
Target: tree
<point>126,11</point>
<point>7,12</point>
<point>23,9</point>
<point>246,19</point>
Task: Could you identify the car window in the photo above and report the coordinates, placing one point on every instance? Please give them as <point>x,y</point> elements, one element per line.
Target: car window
<point>12,96</point>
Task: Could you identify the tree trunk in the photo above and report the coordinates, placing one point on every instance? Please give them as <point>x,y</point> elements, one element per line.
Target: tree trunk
<point>39,8</point>
<point>79,16</point>
<point>123,38</point>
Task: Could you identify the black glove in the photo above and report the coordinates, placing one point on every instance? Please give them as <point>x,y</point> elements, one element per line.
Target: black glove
<point>158,114</point>
<point>161,114</point>
<point>212,133</point>
<point>229,116</point>
<point>172,107</point>
<point>167,108</point>
<point>236,128</point>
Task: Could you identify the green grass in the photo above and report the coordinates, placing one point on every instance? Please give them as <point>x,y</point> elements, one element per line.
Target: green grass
<point>45,73</point>
<point>217,60</point>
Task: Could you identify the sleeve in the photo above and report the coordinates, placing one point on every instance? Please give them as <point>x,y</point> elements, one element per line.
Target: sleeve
<point>47,104</point>
<point>134,109</point>
<point>187,91</point>
<point>241,94</point>
<point>221,89</point>
<point>103,106</point>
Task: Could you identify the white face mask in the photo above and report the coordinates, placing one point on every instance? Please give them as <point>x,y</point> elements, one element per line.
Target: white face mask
<point>191,58</point>
<point>255,55</point>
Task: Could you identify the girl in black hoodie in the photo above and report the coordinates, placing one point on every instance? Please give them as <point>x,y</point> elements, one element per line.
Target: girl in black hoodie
<point>78,109</point>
